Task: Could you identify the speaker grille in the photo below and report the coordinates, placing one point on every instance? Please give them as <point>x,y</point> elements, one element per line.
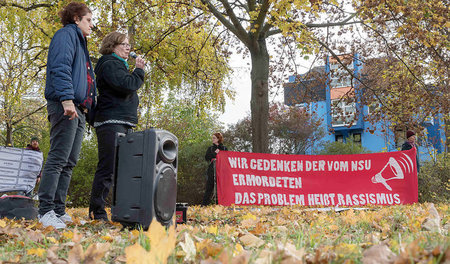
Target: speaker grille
<point>166,194</point>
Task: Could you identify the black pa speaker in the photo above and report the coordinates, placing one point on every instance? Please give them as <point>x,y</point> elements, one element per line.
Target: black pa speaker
<point>145,178</point>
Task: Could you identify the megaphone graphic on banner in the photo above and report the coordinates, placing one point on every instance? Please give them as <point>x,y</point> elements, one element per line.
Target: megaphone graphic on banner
<point>395,169</point>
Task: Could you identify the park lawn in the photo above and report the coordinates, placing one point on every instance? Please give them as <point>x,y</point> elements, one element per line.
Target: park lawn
<point>217,234</point>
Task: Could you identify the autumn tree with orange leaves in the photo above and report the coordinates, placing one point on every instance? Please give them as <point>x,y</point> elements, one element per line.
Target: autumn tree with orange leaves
<point>408,82</point>
<point>414,32</point>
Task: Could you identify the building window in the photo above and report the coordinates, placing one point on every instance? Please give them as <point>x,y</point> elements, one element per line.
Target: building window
<point>357,138</point>
<point>343,113</point>
<point>339,76</point>
<point>339,138</point>
<point>399,137</point>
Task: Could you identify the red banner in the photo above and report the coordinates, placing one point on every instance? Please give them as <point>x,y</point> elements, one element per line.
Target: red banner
<point>317,180</point>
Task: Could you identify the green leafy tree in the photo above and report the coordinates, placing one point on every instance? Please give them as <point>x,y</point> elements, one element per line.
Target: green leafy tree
<point>192,172</point>
<point>193,128</point>
<point>434,180</point>
<point>20,79</point>
<point>182,118</point>
<point>183,52</point>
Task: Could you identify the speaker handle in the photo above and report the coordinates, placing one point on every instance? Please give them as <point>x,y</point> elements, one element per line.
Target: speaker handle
<point>116,160</point>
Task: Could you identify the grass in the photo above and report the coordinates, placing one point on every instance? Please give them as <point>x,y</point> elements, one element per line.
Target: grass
<point>218,233</point>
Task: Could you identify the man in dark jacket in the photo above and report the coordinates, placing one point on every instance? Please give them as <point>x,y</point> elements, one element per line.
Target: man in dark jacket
<point>70,93</point>
<point>34,145</point>
<point>411,143</point>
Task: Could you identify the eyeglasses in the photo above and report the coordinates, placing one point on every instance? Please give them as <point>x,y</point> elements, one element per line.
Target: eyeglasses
<point>125,45</point>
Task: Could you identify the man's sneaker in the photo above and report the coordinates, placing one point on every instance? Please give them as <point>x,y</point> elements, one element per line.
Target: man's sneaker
<point>66,218</point>
<point>50,219</point>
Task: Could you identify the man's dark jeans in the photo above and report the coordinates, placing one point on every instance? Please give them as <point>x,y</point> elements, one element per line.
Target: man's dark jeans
<point>65,145</point>
<point>106,136</point>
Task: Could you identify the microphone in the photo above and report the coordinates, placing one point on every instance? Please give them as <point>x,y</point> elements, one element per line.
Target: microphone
<point>133,55</point>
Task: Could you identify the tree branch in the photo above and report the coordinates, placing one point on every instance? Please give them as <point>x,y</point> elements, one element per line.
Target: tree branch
<point>204,43</point>
<point>139,13</point>
<point>239,30</point>
<point>244,6</point>
<point>221,18</point>
<point>422,84</point>
<point>251,5</point>
<point>340,23</point>
<point>25,8</point>
<point>40,29</point>
<point>171,30</point>
<point>27,115</point>
<point>336,24</point>
<point>344,22</point>
<point>273,32</point>
<point>261,17</point>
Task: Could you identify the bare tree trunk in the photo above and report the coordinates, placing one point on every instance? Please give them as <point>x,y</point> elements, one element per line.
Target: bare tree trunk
<point>9,132</point>
<point>447,133</point>
<point>131,34</point>
<point>260,96</point>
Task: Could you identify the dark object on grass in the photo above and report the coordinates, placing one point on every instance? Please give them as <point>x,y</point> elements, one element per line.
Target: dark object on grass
<point>17,207</point>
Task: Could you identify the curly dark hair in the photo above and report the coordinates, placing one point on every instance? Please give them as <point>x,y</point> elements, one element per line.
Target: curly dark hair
<point>110,41</point>
<point>74,9</point>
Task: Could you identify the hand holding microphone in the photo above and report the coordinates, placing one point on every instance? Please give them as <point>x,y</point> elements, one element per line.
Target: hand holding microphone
<point>140,62</point>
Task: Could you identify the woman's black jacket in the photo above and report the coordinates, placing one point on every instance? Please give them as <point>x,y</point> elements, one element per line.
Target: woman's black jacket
<point>211,154</point>
<point>407,146</point>
<point>117,87</point>
<point>211,151</point>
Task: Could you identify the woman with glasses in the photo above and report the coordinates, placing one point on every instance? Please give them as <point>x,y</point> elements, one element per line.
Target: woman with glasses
<point>116,111</point>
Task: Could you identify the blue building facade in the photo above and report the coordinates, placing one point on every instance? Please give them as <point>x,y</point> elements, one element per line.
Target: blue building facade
<point>339,108</point>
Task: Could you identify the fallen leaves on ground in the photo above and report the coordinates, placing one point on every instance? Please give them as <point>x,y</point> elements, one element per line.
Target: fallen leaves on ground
<point>240,235</point>
<point>161,245</point>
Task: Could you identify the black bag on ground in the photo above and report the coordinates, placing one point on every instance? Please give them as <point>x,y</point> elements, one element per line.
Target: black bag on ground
<point>18,207</point>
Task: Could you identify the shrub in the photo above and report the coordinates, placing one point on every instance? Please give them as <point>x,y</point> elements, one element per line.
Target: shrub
<point>192,172</point>
<point>341,148</point>
<point>190,179</point>
<point>434,180</point>
<point>83,174</point>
